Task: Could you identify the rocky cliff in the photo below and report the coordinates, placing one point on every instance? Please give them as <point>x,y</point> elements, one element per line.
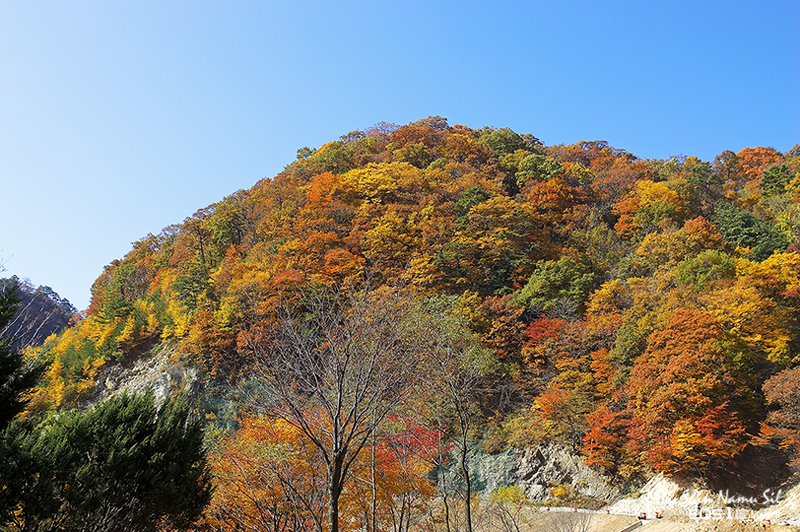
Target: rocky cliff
<point>538,471</point>
<point>157,372</point>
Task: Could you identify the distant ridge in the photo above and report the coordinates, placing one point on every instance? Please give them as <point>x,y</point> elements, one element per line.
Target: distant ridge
<point>41,312</point>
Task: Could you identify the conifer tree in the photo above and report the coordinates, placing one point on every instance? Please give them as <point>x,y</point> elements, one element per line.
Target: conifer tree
<point>16,376</point>
<point>125,465</point>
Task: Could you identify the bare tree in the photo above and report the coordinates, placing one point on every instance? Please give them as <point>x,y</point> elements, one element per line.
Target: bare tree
<point>272,493</point>
<point>40,313</point>
<point>458,385</point>
<point>337,370</point>
<point>456,369</point>
<point>504,511</point>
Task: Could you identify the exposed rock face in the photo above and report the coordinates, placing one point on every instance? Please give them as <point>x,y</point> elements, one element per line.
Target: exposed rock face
<point>157,373</point>
<point>698,503</point>
<point>538,469</point>
<point>41,312</point>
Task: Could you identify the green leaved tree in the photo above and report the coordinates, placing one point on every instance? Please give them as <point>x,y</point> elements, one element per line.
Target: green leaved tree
<point>15,378</point>
<point>125,465</point>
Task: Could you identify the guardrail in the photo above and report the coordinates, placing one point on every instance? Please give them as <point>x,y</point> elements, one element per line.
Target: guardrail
<point>632,526</point>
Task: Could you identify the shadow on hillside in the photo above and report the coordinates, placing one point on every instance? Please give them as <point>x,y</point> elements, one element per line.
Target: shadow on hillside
<point>760,473</point>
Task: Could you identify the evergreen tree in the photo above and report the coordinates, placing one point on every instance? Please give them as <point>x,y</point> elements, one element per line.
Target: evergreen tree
<point>740,227</point>
<point>125,465</point>
<point>16,376</point>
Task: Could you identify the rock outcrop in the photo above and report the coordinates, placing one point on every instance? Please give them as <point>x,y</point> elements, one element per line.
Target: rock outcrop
<point>157,372</point>
<point>537,470</point>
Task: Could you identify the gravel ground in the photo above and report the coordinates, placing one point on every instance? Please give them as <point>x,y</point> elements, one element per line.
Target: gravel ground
<point>600,522</point>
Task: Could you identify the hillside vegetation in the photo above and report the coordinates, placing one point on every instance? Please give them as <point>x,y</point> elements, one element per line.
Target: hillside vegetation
<point>41,313</point>
<point>644,312</point>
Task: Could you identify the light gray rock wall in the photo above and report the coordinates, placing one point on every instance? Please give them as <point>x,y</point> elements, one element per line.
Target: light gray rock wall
<point>536,470</point>
<point>157,373</point>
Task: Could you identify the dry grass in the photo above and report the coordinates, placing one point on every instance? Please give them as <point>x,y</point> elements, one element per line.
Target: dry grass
<point>493,517</point>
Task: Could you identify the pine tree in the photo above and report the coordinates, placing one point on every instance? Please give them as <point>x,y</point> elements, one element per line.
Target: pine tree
<point>16,376</point>
<point>125,465</point>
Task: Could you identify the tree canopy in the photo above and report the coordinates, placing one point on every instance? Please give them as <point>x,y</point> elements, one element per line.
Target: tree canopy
<point>633,308</point>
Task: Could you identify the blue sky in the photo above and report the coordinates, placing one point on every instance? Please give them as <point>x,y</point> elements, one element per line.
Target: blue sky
<point>120,118</point>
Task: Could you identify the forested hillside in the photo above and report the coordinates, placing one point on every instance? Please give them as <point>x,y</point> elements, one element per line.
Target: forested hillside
<point>644,312</point>
<point>41,313</point>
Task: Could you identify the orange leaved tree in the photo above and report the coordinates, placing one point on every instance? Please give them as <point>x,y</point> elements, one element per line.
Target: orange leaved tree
<point>688,400</point>
<point>335,371</point>
<point>268,478</point>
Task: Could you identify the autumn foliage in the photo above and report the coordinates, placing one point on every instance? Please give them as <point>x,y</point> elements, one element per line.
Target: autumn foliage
<point>639,310</point>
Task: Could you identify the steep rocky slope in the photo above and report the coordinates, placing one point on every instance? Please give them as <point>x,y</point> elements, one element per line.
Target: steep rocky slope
<point>538,470</point>
<point>41,312</point>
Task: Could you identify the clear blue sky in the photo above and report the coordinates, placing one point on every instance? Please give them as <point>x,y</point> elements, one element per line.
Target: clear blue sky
<point>120,118</point>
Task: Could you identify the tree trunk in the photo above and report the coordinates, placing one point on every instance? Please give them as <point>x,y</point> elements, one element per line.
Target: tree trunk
<point>467,483</point>
<point>333,509</point>
<point>334,491</point>
<point>446,512</point>
<point>374,489</point>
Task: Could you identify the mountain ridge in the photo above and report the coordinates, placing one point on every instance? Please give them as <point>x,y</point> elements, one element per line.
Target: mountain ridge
<point>636,310</point>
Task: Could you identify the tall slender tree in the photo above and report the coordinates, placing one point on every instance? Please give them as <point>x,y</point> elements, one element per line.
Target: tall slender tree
<point>336,371</point>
